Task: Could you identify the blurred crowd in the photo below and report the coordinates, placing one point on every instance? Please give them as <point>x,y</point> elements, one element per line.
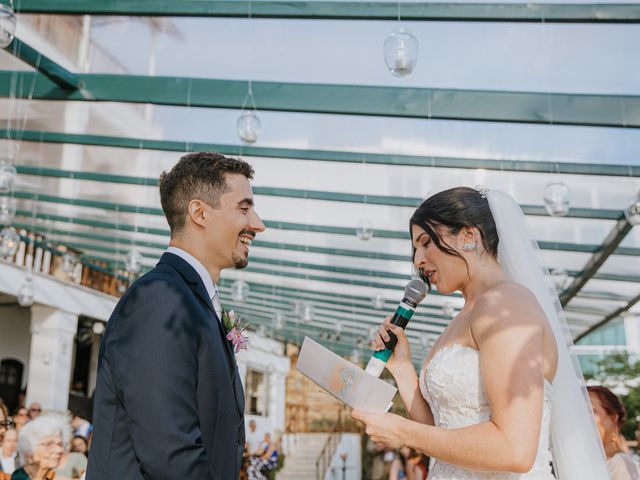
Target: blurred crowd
<point>37,445</point>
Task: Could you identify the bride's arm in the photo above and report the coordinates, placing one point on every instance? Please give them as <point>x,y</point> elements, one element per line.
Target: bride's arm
<point>401,367</point>
<point>509,333</point>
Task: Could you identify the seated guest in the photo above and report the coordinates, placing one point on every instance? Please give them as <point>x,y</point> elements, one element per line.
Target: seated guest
<point>79,445</point>
<point>609,415</point>
<point>21,417</point>
<point>35,410</point>
<point>9,452</point>
<point>267,460</point>
<point>40,447</point>
<point>81,427</point>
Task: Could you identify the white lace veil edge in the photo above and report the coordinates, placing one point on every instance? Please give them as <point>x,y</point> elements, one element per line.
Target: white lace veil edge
<point>576,447</point>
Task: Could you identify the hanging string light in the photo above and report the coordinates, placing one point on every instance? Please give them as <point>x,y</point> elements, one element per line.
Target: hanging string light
<point>8,23</point>
<point>278,320</point>
<point>307,312</point>
<point>26,292</point>
<point>9,242</point>
<point>378,301</point>
<point>7,209</point>
<point>8,176</point>
<point>133,261</point>
<point>69,261</point>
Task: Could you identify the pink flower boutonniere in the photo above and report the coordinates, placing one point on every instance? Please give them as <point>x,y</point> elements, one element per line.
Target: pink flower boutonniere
<point>235,327</point>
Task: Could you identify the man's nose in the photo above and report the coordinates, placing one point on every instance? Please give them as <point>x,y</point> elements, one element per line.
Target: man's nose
<point>256,223</point>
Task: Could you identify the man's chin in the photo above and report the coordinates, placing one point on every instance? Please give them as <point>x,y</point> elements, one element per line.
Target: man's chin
<point>240,262</point>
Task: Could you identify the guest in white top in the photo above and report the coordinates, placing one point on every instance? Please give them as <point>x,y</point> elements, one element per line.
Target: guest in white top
<point>9,452</point>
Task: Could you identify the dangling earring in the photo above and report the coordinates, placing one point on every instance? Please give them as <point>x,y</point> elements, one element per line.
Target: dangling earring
<point>469,246</point>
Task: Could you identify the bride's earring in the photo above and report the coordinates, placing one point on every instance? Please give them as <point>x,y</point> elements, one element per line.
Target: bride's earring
<point>469,246</point>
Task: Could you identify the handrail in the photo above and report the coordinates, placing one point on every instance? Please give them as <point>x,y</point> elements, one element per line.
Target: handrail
<point>327,453</point>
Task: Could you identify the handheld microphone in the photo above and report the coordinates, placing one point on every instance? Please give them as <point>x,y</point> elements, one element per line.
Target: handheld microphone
<point>414,293</point>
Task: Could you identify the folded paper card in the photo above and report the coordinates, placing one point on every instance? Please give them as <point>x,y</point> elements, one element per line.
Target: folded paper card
<point>344,380</point>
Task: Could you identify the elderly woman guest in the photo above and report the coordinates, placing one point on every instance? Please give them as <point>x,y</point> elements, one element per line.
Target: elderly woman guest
<point>609,414</point>
<point>40,447</point>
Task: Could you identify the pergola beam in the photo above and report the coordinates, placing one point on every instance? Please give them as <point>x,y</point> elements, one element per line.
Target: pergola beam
<point>359,100</point>
<point>363,158</point>
<point>609,246</point>
<point>609,317</point>
<point>351,10</point>
<point>55,72</point>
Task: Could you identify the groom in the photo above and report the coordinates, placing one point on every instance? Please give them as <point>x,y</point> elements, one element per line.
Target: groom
<point>169,403</point>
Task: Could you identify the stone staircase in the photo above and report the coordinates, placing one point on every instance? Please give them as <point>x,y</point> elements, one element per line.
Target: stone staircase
<point>302,451</point>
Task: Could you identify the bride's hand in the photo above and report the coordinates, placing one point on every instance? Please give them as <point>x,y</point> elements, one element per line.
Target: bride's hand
<point>401,352</point>
<point>383,428</point>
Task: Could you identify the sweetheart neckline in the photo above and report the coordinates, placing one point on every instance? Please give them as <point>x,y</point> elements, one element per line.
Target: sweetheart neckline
<point>463,347</point>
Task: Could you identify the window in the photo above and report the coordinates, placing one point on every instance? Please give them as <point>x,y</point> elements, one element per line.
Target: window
<point>256,393</point>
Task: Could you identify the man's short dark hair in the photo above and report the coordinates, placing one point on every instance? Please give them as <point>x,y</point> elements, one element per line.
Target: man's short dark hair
<point>197,176</point>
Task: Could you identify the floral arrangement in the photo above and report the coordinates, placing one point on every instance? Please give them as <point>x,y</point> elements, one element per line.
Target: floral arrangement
<point>235,327</point>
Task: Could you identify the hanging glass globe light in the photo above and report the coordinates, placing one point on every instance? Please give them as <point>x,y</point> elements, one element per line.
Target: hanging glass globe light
<point>122,288</point>
<point>69,261</point>
<point>7,209</point>
<point>7,176</point>
<point>9,241</point>
<point>632,212</point>
<point>248,126</point>
<point>26,293</point>
<point>378,301</point>
<point>239,291</point>
<point>401,52</point>
<point>97,328</point>
<point>355,356</point>
<point>307,312</point>
<point>557,199</point>
<point>133,261</point>
<point>278,320</point>
<point>7,25</point>
<point>364,230</point>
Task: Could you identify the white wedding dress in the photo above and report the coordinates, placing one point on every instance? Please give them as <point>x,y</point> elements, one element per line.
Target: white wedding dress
<point>453,387</point>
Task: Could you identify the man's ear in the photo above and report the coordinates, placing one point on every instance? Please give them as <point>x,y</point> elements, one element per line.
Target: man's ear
<point>196,210</point>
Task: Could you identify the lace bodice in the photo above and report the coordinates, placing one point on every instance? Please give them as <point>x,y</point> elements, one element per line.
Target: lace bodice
<point>454,389</point>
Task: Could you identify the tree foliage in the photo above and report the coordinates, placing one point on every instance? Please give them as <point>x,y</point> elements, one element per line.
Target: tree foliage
<point>621,373</point>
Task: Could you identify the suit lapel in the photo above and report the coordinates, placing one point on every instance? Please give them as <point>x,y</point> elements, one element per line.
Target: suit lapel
<point>195,283</point>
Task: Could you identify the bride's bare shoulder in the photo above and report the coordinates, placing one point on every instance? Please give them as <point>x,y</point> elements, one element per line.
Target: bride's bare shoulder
<point>508,301</point>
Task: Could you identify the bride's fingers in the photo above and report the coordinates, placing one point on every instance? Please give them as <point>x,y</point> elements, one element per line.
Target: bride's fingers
<point>383,332</point>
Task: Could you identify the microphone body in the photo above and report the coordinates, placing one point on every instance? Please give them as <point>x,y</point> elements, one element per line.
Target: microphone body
<point>414,293</point>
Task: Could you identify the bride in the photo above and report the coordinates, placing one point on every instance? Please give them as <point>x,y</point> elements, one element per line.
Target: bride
<point>499,385</point>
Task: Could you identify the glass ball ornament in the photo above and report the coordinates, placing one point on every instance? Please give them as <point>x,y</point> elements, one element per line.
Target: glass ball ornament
<point>9,241</point>
<point>8,23</point>
<point>307,312</point>
<point>248,127</point>
<point>378,301</point>
<point>364,230</point>
<point>401,52</point>
<point>7,209</point>
<point>69,261</point>
<point>26,293</point>
<point>632,212</point>
<point>278,320</point>
<point>557,199</point>
<point>133,261</point>
<point>8,176</point>
<point>239,291</point>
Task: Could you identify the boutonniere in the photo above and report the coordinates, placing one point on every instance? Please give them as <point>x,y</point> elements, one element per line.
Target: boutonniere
<point>235,326</point>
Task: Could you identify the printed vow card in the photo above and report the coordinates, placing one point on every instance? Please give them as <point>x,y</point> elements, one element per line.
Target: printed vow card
<point>344,380</point>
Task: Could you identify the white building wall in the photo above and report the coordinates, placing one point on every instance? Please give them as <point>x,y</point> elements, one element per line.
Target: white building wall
<point>15,337</point>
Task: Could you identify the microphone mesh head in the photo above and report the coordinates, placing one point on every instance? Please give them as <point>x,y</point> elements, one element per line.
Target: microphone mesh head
<point>416,290</point>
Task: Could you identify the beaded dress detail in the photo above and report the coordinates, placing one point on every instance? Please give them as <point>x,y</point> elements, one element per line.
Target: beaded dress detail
<point>455,392</point>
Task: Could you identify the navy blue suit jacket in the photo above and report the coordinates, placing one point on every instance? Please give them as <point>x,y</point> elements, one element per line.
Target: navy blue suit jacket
<point>169,402</point>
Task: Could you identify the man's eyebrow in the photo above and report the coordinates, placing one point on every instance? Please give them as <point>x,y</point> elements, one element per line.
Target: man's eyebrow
<point>246,201</point>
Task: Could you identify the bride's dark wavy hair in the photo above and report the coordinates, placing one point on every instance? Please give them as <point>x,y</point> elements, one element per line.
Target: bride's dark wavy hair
<point>455,209</point>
